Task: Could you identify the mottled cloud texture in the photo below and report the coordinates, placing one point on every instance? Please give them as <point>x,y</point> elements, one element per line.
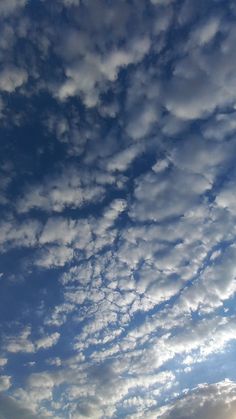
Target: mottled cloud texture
<point>118,209</point>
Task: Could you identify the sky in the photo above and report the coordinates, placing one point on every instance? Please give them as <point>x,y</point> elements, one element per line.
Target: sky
<point>117,209</point>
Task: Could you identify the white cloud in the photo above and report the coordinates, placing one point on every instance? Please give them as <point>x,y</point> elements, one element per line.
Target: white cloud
<point>121,161</point>
<point>47,341</point>
<point>20,342</point>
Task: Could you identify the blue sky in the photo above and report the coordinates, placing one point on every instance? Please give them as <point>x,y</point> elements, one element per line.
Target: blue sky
<point>118,209</point>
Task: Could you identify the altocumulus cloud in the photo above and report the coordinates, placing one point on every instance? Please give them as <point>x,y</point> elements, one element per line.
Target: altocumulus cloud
<point>118,209</point>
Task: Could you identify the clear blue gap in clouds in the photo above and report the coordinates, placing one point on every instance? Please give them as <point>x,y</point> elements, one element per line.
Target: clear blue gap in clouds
<point>118,209</point>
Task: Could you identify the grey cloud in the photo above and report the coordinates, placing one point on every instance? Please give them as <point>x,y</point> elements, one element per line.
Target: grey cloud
<point>225,197</point>
<point>53,256</point>
<point>11,78</point>
<point>208,401</point>
<point>173,194</point>
<point>196,155</point>
<point>5,382</point>
<point>100,64</point>
<point>16,234</point>
<point>7,7</point>
<point>11,408</point>
<point>83,77</point>
<point>221,126</point>
<point>215,284</point>
<point>68,189</point>
<point>203,79</point>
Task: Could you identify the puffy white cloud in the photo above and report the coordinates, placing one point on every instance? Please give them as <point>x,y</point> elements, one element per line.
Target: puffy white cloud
<point>47,341</point>
<point>121,161</point>
<point>59,314</point>
<point>22,343</point>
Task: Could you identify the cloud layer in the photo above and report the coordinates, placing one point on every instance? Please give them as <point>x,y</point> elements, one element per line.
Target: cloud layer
<point>118,209</point>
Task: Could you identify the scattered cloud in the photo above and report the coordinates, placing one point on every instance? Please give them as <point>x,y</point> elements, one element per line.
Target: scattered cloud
<point>117,230</point>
